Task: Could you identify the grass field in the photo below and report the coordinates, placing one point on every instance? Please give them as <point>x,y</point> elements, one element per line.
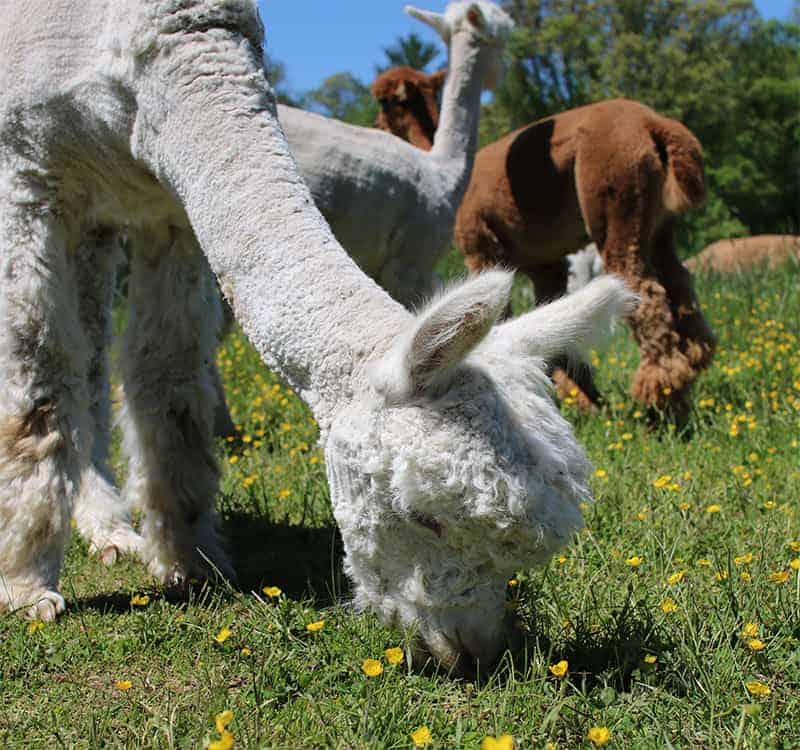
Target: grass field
<point>677,610</point>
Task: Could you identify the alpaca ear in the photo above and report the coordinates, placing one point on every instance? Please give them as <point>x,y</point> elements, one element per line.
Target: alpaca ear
<point>441,336</point>
<point>435,20</point>
<point>570,324</point>
<point>436,80</point>
<point>476,18</point>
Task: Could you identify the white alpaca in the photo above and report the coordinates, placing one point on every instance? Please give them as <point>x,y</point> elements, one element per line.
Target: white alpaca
<point>449,465</point>
<point>393,206</point>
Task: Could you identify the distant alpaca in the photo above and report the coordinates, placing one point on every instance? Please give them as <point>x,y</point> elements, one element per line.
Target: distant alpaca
<point>744,253</point>
<point>617,173</point>
<point>393,206</point>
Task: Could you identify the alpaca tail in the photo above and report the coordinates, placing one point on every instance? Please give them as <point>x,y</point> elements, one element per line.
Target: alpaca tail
<point>682,157</point>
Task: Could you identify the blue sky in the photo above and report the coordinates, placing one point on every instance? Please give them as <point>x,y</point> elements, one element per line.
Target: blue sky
<point>316,38</point>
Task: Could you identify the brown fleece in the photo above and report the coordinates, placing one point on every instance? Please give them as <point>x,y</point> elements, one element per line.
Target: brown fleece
<point>408,104</point>
<point>615,172</point>
<point>742,254</point>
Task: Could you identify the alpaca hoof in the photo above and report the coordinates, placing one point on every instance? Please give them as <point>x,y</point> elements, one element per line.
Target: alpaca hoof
<point>49,605</point>
<point>109,555</point>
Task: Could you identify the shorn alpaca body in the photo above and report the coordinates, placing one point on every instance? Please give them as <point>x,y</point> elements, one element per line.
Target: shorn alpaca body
<point>616,173</point>
<point>449,466</point>
<point>745,253</point>
<point>390,205</point>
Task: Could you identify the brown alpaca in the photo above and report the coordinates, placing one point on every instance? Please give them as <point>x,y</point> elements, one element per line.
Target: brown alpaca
<point>408,104</point>
<point>617,173</point>
<point>742,254</point>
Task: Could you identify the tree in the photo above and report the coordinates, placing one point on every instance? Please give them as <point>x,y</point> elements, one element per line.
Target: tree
<point>409,50</point>
<point>276,73</point>
<point>344,97</point>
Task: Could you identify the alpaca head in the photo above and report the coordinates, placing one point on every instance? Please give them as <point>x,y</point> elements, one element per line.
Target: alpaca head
<point>408,101</point>
<point>487,25</point>
<point>454,468</point>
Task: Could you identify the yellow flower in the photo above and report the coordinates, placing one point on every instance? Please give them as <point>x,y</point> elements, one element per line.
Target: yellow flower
<point>225,742</point>
<point>769,505</point>
<point>600,473</point>
<point>284,493</point>
<point>222,720</point>
<point>421,736</point>
<point>35,626</point>
<point>794,546</point>
<point>123,684</point>
<point>745,577</point>
<point>233,460</point>
<point>795,564</point>
<point>650,658</point>
<point>140,600</point>
<point>754,687</point>
<point>684,505</point>
<point>245,651</point>
<point>743,559</point>
<point>223,635</point>
<point>713,508</point>
<point>662,481</point>
<point>562,559</point>
<point>634,561</point>
<point>503,742</point>
<point>371,667</point>
<point>513,582</point>
<point>704,562</point>
<point>750,630</point>
<point>676,577</point>
<point>754,644</point>
<point>273,592</point>
<point>599,736</point>
<point>627,436</point>
<point>314,627</point>
<point>668,606</point>
<point>394,655</point>
<point>559,669</point>
<point>779,576</point>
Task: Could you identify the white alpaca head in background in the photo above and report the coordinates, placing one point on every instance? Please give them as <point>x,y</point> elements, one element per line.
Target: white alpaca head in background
<point>455,468</point>
<point>487,23</point>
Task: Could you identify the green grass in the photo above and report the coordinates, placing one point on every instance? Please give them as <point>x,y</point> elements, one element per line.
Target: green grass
<point>290,688</point>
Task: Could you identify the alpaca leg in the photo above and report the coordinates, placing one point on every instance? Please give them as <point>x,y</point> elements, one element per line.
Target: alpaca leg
<point>44,420</point>
<point>664,371</point>
<point>572,378</point>
<point>101,517</point>
<point>169,404</point>
<point>697,340</point>
<point>224,426</point>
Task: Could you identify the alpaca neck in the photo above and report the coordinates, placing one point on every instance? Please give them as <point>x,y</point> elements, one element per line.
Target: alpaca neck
<point>457,135</point>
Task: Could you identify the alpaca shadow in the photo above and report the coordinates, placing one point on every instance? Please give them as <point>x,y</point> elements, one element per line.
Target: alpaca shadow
<point>304,562</point>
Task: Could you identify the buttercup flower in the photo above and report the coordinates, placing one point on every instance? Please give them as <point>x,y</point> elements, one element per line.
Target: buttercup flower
<point>634,561</point>
<point>743,559</point>
<point>779,576</point>
<point>668,606</point>
<point>754,644</point>
<point>503,742</point>
<point>559,669</point>
<point>273,592</point>
<point>754,687</point>
<point>314,627</point>
<point>394,655</point>
<point>371,667</point>
<point>223,635</point>
<point>34,626</point>
<point>650,658</point>
<point>225,742</point>
<point>140,600</point>
<point>599,736</point>
<point>750,630</point>
<point>123,685</point>
<point>676,577</point>
<point>713,508</point>
<point>222,720</point>
<point>421,736</point>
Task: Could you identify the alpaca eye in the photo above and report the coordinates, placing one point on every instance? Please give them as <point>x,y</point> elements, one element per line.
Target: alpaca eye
<point>428,523</point>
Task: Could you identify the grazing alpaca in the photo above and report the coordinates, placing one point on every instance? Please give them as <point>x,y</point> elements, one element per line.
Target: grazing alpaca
<point>617,173</point>
<point>448,464</point>
<point>390,205</point>
<point>744,253</point>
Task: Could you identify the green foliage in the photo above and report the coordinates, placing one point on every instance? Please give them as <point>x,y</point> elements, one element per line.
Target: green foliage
<point>711,515</point>
<point>343,97</point>
<point>409,50</point>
